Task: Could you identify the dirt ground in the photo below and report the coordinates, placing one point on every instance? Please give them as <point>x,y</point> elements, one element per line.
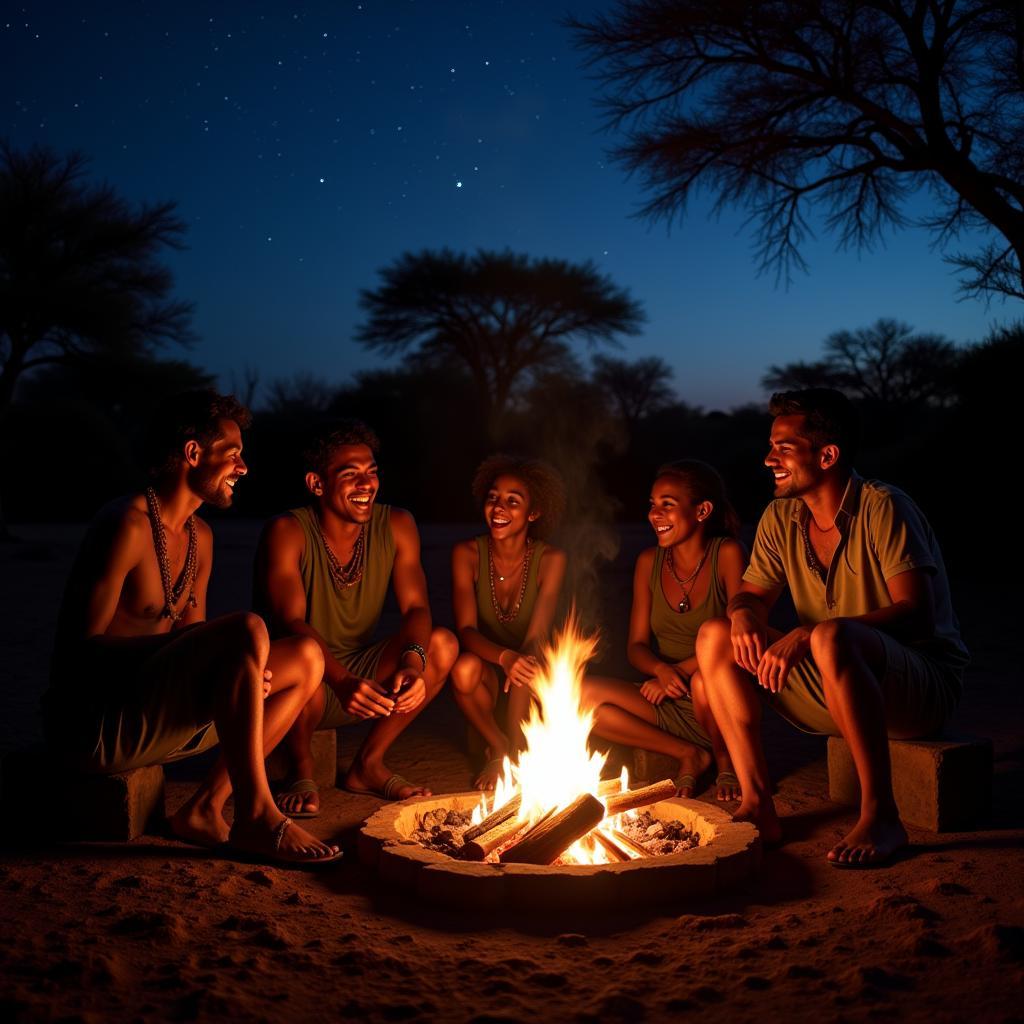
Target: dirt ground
<point>158,930</point>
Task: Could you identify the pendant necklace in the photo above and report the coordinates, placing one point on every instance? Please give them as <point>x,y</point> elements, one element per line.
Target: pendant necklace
<point>511,614</point>
<point>686,585</point>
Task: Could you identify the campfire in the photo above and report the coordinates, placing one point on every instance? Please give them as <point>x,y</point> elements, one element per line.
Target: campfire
<point>552,805</point>
<point>554,834</point>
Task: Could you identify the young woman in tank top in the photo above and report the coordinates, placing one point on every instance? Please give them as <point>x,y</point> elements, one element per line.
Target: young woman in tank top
<point>686,579</point>
<point>505,587</point>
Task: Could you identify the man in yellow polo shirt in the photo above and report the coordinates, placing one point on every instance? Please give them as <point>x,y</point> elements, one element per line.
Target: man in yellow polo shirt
<point>877,653</point>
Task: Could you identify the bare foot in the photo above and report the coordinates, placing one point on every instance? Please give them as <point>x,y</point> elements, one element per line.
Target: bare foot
<point>199,824</point>
<point>378,780</point>
<point>870,843</point>
<point>691,767</point>
<point>765,819</point>
<point>282,842</point>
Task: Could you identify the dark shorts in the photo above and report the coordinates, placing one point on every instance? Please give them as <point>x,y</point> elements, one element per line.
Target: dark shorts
<point>919,691</point>
<point>126,712</point>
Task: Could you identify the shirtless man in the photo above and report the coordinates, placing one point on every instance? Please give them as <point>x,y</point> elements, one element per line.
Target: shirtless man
<point>322,571</point>
<point>139,678</point>
<point>877,653</point>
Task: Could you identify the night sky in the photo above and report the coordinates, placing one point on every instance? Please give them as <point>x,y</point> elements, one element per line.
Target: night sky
<point>309,145</point>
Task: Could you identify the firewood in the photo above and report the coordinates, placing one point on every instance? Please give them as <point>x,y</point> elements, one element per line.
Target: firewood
<point>494,819</point>
<point>502,833</point>
<point>634,798</point>
<point>548,839</point>
<point>630,844</point>
<point>616,850</point>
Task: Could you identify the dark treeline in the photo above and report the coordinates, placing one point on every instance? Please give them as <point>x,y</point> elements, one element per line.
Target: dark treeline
<point>75,430</point>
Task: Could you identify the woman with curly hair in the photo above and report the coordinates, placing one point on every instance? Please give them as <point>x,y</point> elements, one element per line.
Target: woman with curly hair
<point>687,578</point>
<point>505,586</point>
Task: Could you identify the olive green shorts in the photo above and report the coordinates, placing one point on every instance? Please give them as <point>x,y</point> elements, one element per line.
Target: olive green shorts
<point>676,716</point>
<point>129,712</point>
<point>364,663</point>
<point>918,690</point>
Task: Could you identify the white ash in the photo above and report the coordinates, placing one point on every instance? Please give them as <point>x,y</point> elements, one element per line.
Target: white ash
<point>660,837</point>
<point>441,830</point>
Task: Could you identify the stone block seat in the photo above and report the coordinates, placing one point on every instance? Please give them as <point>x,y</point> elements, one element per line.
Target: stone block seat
<point>61,803</point>
<point>944,785</point>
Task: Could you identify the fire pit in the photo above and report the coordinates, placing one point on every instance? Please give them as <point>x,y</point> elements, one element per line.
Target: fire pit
<point>554,834</point>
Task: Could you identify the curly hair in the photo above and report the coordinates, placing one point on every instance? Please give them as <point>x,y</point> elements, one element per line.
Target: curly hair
<point>829,418</point>
<point>189,416</point>
<point>337,434</point>
<point>543,481</point>
<point>705,483</point>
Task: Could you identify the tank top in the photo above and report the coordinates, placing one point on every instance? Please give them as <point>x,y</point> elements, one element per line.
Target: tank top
<point>506,634</point>
<point>675,633</point>
<point>346,619</point>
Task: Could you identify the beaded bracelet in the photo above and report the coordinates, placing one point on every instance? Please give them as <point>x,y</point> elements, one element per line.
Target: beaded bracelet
<point>415,648</point>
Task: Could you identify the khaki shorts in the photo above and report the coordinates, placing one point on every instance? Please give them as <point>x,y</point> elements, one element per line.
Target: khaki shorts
<point>126,713</point>
<point>918,690</point>
<point>363,663</point>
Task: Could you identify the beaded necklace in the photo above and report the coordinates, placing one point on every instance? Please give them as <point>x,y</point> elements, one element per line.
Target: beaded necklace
<point>511,614</point>
<point>187,579</point>
<point>349,574</point>
<point>684,604</point>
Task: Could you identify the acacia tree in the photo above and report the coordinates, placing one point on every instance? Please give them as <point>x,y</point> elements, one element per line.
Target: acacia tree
<point>886,364</point>
<point>637,388</point>
<point>776,105</point>
<point>79,273</point>
<point>503,316</point>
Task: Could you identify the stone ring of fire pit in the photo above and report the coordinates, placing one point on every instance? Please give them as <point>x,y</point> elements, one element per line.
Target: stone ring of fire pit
<point>729,853</point>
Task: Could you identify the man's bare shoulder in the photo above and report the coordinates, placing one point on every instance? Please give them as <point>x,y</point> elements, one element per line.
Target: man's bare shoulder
<point>124,519</point>
<point>403,526</point>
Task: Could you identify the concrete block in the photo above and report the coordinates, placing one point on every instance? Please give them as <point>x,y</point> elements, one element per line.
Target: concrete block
<point>105,808</point>
<point>651,767</point>
<point>944,785</point>
<point>324,747</point>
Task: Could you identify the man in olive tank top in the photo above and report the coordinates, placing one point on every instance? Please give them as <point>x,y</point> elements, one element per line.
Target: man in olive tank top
<point>323,571</point>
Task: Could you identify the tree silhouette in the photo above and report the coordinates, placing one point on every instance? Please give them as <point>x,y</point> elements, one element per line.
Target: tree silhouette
<point>886,364</point>
<point>79,273</point>
<point>780,104</point>
<point>503,316</point>
<point>637,388</point>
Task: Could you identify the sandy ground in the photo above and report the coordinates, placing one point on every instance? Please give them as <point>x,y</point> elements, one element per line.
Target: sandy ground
<point>158,930</point>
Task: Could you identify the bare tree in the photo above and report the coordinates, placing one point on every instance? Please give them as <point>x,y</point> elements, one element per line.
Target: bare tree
<point>886,363</point>
<point>79,272</point>
<point>302,393</point>
<point>775,105</point>
<point>503,316</point>
<point>637,388</point>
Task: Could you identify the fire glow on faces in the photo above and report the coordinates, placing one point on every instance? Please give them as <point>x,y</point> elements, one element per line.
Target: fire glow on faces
<point>795,464</point>
<point>507,507</point>
<point>349,484</point>
<point>219,467</point>
<point>673,514</point>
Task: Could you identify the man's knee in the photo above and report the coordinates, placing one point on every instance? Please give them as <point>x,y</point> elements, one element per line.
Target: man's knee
<point>714,640</point>
<point>467,672</point>
<point>443,650</point>
<point>835,642</point>
<point>250,633</point>
<point>311,657</point>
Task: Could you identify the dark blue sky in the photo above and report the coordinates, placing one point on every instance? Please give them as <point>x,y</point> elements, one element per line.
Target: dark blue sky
<point>309,145</point>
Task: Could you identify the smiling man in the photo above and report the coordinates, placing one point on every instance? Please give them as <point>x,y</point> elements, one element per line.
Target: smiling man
<point>139,678</point>
<point>323,571</point>
<point>877,653</point>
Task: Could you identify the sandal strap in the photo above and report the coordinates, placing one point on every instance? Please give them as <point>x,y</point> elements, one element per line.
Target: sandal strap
<point>279,831</point>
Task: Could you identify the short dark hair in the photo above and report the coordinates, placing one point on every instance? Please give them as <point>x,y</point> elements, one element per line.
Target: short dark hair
<point>543,481</point>
<point>829,418</point>
<point>189,416</point>
<point>705,483</point>
<point>328,438</point>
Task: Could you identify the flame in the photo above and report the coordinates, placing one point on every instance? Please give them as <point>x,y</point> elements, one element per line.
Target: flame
<point>556,766</point>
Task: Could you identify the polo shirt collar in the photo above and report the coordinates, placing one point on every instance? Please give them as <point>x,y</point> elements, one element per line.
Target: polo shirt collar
<point>847,507</point>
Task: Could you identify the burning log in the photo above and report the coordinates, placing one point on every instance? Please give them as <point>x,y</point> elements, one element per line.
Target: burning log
<point>502,833</point>
<point>630,844</point>
<point>494,819</point>
<point>509,810</point>
<point>552,836</point>
<point>634,798</point>
<point>612,846</point>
